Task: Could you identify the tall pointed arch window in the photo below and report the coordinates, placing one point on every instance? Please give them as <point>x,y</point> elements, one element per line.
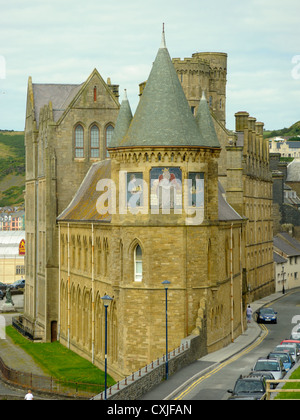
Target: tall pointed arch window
<point>138,264</point>
<point>108,137</point>
<point>79,141</point>
<point>95,142</point>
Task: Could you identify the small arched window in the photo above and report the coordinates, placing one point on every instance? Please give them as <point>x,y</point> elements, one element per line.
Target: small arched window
<point>94,142</point>
<point>79,141</point>
<point>138,264</point>
<point>108,137</point>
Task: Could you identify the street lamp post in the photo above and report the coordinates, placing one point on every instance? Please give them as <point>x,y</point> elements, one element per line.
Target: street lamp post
<point>106,301</point>
<point>282,272</point>
<point>166,284</point>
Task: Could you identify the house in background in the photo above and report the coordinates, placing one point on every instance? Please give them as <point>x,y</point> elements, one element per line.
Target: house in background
<point>12,256</point>
<point>286,262</point>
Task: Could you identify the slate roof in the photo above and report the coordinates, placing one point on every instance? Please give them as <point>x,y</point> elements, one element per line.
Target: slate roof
<point>84,204</point>
<point>123,122</point>
<point>286,244</point>
<point>163,116</point>
<point>59,94</point>
<point>279,259</point>
<point>226,212</point>
<point>205,123</point>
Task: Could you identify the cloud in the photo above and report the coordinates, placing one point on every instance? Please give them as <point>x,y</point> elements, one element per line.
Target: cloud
<point>63,41</point>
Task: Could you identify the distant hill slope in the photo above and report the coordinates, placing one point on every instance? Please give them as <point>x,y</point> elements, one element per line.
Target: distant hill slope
<point>294,130</point>
<point>12,168</point>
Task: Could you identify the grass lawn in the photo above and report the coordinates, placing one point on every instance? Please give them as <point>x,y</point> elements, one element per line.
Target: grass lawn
<point>291,385</point>
<point>60,362</point>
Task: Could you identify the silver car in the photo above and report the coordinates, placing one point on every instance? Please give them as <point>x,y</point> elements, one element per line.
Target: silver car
<point>275,366</point>
<point>292,347</point>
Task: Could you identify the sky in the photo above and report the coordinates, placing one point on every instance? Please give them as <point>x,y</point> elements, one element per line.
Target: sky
<point>62,41</point>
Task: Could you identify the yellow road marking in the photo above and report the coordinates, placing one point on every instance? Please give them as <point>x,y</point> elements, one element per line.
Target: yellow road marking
<point>222,365</point>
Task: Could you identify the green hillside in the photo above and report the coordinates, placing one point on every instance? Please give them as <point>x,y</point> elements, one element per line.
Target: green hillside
<point>12,168</point>
<point>294,130</point>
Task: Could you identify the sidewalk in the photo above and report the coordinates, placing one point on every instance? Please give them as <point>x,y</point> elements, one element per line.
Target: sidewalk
<point>180,380</point>
<point>16,358</point>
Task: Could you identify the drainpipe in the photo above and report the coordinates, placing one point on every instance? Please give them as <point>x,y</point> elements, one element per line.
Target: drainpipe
<point>231,283</point>
<point>59,278</point>
<point>68,285</point>
<point>93,297</point>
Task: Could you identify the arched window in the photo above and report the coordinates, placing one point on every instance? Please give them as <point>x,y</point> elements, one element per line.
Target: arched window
<point>108,136</point>
<point>94,142</point>
<point>79,141</point>
<point>138,264</point>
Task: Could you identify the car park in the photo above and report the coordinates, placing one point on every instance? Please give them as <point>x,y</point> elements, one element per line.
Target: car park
<point>289,347</point>
<point>285,357</point>
<point>275,366</point>
<point>266,315</point>
<point>249,388</point>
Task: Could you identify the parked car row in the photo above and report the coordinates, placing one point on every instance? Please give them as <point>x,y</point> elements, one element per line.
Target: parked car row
<point>273,367</point>
<point>19,284</point>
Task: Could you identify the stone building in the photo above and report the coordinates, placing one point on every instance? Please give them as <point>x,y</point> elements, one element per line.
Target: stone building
<point>67,129</point>
<point>172,195</point>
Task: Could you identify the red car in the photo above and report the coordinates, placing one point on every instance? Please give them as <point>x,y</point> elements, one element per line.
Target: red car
<point>291,341</point>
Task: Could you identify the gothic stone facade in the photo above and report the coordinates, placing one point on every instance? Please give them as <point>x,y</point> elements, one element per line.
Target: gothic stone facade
<point>76,259</point>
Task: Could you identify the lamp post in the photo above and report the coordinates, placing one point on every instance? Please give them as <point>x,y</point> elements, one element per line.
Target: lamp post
<point>106,301</point>
<point>166,284</point>
<point>283,273</point>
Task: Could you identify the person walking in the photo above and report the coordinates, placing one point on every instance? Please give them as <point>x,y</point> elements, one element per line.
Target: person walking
<point>249,314</point>
<point>28,396</point>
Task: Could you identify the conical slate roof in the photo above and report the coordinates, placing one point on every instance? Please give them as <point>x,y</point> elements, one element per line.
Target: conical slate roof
<point>123,122</point>
<point>163,116</point>
<point>206,124</point>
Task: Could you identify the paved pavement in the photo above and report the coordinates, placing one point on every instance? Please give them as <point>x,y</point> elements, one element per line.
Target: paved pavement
<point>15,358</point>
<point>180,380</point>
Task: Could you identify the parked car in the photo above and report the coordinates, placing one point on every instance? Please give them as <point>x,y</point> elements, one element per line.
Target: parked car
<point>297,342</point>
<point>275,366</point>
<point>289,347</point>
<point>285,357</point>
<point>1,295</point>
<point>267,375</point>
<point>19,284</point>
<point>266,315</point>
<point>249,388</point>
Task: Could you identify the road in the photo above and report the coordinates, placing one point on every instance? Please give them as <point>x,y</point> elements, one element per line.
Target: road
<point>214,385</point>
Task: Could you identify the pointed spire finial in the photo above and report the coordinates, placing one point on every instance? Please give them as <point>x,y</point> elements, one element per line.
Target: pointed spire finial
<point>163,39</point>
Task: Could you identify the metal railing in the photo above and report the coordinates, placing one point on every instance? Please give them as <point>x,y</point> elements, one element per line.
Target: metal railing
<point>48,384</point>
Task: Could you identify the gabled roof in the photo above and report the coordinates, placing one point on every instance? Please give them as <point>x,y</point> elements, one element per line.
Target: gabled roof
<point>286,244</point>
<point>163,116</point>
<point>62,96</point>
